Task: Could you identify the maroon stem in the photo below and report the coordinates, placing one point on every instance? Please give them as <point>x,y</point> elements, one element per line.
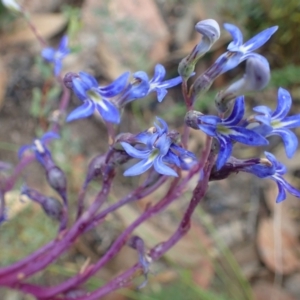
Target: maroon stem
<point>173,193</point>
<point>12,280</point>
<point>125,278</point>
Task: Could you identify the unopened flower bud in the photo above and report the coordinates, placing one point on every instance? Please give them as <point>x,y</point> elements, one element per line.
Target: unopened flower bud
<point>57,179</point>
<point>68,79</point>
<point>210,31</point>
<point>191,118</point>
<point>256,77</point>
<point>201,85</point>
<point>53,208</point>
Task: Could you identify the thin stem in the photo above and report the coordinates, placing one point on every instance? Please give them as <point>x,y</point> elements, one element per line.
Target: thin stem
<point>65,241</point>
<point>155,253</point>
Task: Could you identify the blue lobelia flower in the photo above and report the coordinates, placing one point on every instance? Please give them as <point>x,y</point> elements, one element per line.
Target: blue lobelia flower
<point>237,51</point>
<point>273,170</point>
<point>142,86</point>
<point>156,149</point>
<point>158,84</point>
<point>279,122</point>
<point>227,130</point>
<point>56,56</point>
<point>39,148</point>
<point>94,97</point>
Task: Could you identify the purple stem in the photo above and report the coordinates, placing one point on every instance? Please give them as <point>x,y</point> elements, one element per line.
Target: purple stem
<point>11,181</point>
<point>155,253</point>
<point>66,241</point>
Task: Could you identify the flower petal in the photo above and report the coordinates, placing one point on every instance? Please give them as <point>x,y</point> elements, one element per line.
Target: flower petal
<point>139,168</point>
<point>293,191</point>
<point>289,139</point>
<point>116,87</point>
<point>163,169</point>
<point>159,73</point>
<point>89,80</point>
<point>225,149</point>
<point>135,153</point>
<point>48,54</point>
<point>291,122</point>
<point>259,39</point>
<point>237,37</point>
<point>247,136</point>
<point>281,192</point>
<point>161,93</point>
<point>108,111</point>
<point>57,67</point>
<point>79,88</point>
<point>82,111</point>
<point>208,129</point>
<point>237,112</point>
<point>283,105</point>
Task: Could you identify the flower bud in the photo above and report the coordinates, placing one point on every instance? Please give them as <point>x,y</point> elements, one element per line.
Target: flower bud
<point>57,179</point>
<point>201,85</point>
<point>210,31</point>
<point>68,79</point>
<point>53,208</point>
<point>191,119</point>
<point>256,77</point>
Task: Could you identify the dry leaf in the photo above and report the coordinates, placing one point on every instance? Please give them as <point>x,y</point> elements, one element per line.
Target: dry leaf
<point>282,260</point>
<point>47,25</point>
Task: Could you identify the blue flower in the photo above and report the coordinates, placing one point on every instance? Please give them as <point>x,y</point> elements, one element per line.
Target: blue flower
<point>3,216</point>
<point>226,131</point>
<point>159,86</point>
<point>142,86</point>
<point>156,148</point>
<point>273,170</point>
<point>56,56</point>
<point>39,148</point>
<point>94,97</point>
<point>237,51</point>
<point>279,122</point>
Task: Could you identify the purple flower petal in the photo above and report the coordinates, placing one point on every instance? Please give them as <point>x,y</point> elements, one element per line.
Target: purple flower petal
<point>290,140</point>
<point>236,35</point>
<point>247,136</point>
<point>259,39</point>
<point>48,54</point>
<point>139,168</point>
<point>159,73</point>
<point>225,150</point>
<point>283,105</point>
<point>116,87</point>
<point>135,153</point>
<point>83,111</point>
<point>237,112</point>
<point>108,111</point>
<point>163,169</point>
<point>88,79</point>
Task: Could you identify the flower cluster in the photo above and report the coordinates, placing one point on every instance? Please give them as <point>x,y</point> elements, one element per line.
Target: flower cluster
<point>156,148</point>
<point>158,153</point>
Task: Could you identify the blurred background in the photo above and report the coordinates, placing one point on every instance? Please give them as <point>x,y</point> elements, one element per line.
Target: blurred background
<point>241,245</point>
